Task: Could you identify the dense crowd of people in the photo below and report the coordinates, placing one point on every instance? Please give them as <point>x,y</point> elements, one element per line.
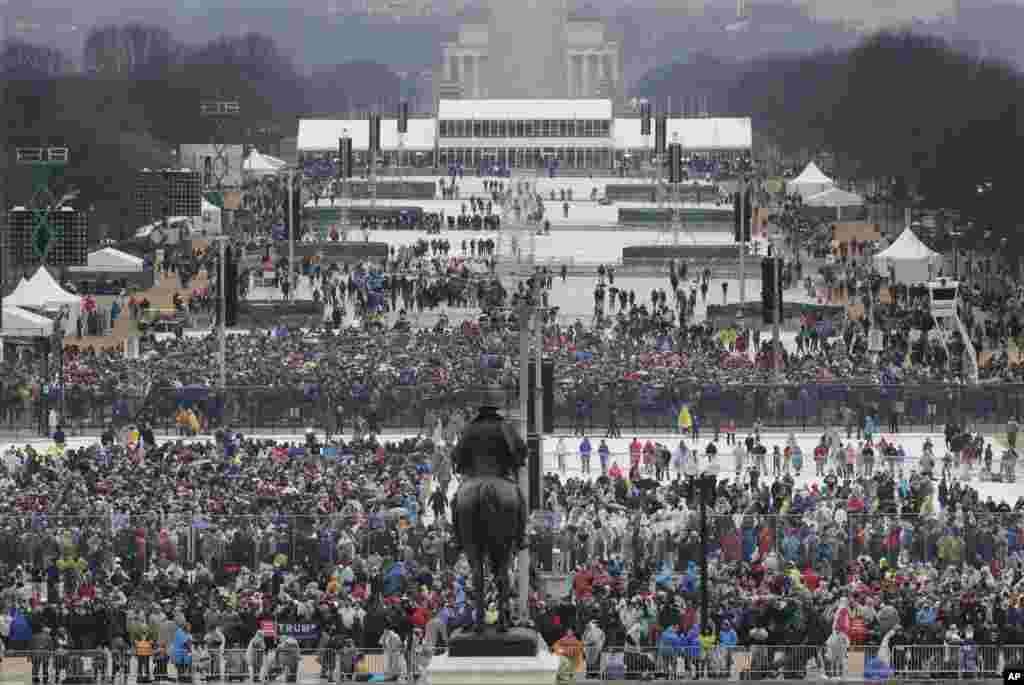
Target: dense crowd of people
<point>231,555</point>
<point>226,557</point>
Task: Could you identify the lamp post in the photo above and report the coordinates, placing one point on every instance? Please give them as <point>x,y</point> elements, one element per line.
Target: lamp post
<point>707,483</point>
<point>222,287</point>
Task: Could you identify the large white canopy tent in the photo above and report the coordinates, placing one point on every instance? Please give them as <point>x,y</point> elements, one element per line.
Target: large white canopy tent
<point>110,259</point>
<point>908,259</point>
<point>810,182</point>
<point>835,198</point>
<point>259,165</point>
<point>21,323</point>
<point>43,292</point>
<point>209,223</point>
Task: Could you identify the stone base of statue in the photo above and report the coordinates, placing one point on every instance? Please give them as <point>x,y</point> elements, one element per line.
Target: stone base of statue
<point>493,658</point>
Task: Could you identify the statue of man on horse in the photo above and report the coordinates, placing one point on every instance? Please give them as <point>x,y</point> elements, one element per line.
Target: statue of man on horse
<point>489,510</point>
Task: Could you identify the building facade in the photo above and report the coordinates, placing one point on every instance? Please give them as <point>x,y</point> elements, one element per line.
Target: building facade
<point>504,58</point>
<point>526,134</point>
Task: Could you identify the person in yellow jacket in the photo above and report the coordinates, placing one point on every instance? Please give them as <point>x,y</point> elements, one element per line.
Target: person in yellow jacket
<point>143,656</point>
<point>684,419</point>
<point>708,641</point>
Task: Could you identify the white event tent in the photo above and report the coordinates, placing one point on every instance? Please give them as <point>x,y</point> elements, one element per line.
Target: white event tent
<point>44,293</point>
<point>908,259</point>
<point>257,164</point>
<point>110,259</point>
<point>835,198</point>
<point>23,323</point>
<point>811,181</point>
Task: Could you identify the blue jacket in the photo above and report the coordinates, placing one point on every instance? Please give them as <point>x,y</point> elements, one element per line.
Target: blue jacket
<point>21,629</point>
<point>670,643</point>
<point>182,647</point>
<point>727,638</point>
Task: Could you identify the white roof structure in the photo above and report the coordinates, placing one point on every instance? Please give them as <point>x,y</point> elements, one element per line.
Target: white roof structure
<point>261,165</point>
<point>693,134</point>
<point>834,197</point>
<point>21,322</point>
<point>22,284</point>
<point>114,260</point>
<point>318,135</point>
<point>524,109</point>
<point>810,182</point>
<point>43,292</point>
<point>909,259</point>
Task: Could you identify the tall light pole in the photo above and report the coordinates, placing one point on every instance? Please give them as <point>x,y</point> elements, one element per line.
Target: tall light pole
<point>222,328</point>
<point>524,421</point>
<point>291,230</point>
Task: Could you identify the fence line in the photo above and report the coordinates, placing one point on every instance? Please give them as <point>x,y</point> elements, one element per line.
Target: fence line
<point>637,406</point>
<point>740,663</point>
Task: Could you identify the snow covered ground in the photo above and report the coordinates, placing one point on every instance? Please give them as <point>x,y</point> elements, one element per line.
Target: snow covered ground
<point>725,463</point>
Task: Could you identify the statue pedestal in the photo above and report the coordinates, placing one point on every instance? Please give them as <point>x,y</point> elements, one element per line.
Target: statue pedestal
<point>493,670</point>
<point>493,658</point>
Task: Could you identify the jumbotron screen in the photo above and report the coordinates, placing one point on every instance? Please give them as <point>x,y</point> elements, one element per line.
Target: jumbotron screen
<point>71,248</point>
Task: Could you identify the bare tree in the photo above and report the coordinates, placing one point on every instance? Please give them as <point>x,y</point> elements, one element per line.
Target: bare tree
<point>26,60</point>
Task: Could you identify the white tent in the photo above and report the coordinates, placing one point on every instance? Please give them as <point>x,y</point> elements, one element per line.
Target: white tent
<point>811,181</point>
<point>21,286</point>
<point>909,260</point>
<point>257,164</point>
<point>23,323</point>
<point>43,292</point>
<point>114,260</point>
<point>209,223</point>
<point>834,197</point>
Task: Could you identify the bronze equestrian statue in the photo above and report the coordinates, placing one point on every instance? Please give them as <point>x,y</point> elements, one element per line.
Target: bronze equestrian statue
<point>489,511</point>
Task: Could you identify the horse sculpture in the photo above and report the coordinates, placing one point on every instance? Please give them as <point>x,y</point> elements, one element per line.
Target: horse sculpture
<point>489,512</point>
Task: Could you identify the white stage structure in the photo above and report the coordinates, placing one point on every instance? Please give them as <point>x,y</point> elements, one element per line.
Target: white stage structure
<point>944,296</point>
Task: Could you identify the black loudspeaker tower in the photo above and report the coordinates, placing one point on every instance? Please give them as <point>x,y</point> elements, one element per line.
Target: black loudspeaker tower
<point>403,117</point>
<point>645,119</point>
<point>344,158</point>
<point>742,213</point>
<point>374,134</point>
<point>660,134</point>
<point>547,378</point>
<point>535,471</point>
<point>675,163</point>
<point>771,293</point>
<point>231,285</point>
<point>296,212</point>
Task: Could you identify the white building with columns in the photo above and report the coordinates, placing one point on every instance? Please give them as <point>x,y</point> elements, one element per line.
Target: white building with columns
<point>574,133</point>
<point>592,62</point>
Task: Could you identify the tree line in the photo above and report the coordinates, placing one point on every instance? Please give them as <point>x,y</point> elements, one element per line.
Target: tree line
<point>136,97</point>
<point>929,125</point>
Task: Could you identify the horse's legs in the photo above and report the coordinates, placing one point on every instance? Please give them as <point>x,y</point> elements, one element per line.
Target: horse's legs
<point>481,594</point>
<point>501,581</point>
